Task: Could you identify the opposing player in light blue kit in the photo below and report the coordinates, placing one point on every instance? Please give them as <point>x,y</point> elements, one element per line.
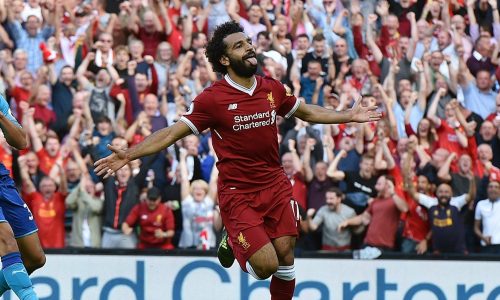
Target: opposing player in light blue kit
<point>20,248</point>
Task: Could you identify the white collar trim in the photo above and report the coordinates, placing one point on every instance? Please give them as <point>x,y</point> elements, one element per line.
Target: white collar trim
<point>241,88</point>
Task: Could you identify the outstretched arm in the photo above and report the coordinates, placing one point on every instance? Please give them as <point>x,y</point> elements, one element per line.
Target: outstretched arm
<point>157,141</point>
<point>319,115</point>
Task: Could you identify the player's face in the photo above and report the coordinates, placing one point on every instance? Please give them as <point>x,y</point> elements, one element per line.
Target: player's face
<point>240,54</point>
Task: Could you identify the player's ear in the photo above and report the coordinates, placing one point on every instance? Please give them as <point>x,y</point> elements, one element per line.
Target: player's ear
<point>224,60</point>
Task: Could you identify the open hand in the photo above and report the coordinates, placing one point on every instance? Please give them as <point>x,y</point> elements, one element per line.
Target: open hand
<point>109,165</point>
<point>363,114</point>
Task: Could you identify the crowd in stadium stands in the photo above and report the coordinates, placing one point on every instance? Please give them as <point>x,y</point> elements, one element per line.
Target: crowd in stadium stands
<point>83,74</point>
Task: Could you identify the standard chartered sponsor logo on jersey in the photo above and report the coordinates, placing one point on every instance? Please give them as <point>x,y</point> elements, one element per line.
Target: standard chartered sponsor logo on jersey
<point>256,120</point>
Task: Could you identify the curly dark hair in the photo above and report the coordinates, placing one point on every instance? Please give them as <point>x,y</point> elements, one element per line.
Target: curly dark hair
<point>216,46</point>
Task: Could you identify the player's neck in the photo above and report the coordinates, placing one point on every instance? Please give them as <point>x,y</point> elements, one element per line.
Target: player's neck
<point>246,82</point>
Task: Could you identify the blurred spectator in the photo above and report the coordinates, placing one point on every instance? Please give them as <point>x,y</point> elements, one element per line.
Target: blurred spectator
<point>120,196</point>
<point>293,169</point>
<point>416,227</point>
<point>35,31</point>
<point>486,226</point>
<point>381,216</point>
<point>198,208</point>
<point>47,205</point>
<point>87,208</point>
<point>317,179</point>
<point>360,185</point>
<point>331,215</point>
<point>447,226</point>
<point>155,222</point>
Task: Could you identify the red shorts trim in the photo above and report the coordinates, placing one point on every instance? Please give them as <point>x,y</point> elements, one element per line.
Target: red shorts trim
<point>254,219</point>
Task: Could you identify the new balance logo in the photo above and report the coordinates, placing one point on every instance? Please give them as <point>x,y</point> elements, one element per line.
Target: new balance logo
<point>232,106</point>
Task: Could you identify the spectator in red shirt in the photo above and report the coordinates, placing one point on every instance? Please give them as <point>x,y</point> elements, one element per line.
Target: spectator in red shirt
<point>416,228</point>
<point>155,222</point>
<point>381,216</point>
<point>48,207</point>
<point>451,134</point>
<point>150,32</point>
<point>41,101</point>
<point>48,153</point>
<point>21,92</point>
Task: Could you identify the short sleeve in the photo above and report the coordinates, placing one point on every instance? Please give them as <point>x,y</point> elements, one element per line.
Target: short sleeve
<point>289,103</point>
<point>477,213</point>
<point>351,213</point>
<point>5,109</point>
<point>319,217</point>
<point>199,116</point>
<point>133,216</point>
<point>459,201</point>
<point>169,220</point>
<point>427,201</point>
<point>468,88</point>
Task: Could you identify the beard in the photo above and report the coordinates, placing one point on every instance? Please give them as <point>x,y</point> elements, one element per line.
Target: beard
<point>444,200</point>
<point>242,68</point>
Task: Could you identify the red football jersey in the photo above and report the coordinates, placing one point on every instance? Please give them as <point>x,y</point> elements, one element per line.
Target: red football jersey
<point>244,133</point>
<point>151,220</point>
<point>49,217</point>
<point>448,138</point>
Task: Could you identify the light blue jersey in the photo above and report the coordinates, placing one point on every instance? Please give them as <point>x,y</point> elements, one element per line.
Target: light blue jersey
<point>12,207</point>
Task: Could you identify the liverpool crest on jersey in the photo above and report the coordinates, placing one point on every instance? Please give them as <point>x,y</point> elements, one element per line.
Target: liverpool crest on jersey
<point>270,98</point>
